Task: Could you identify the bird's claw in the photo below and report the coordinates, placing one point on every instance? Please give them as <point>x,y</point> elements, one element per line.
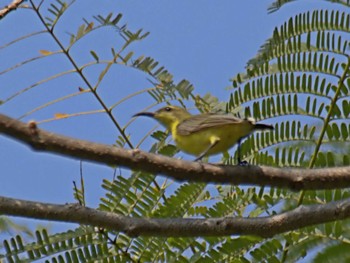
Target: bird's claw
<point>243,163</point>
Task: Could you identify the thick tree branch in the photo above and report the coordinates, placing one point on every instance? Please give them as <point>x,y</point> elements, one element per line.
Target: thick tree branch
<point>180,227</point>
<point>7,9</point>
<point>295,179</point>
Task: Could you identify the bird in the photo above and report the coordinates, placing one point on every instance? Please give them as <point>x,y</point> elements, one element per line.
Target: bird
<point>204,134</point>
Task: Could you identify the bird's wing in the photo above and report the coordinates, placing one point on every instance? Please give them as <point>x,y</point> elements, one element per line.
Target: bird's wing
<point>204,121</point>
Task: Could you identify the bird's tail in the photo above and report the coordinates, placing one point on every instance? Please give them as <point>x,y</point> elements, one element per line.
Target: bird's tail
<point>260,126</point>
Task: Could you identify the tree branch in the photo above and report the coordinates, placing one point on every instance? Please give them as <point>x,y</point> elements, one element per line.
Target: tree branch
<point>11,7</point>
<point>300,217</point>
<point>292,178</point>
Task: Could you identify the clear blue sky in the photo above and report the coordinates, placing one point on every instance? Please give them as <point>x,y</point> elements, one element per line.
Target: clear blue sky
<point>205,42</point>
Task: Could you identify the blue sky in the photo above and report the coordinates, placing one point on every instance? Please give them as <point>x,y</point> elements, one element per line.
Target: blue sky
<point>205,42</point>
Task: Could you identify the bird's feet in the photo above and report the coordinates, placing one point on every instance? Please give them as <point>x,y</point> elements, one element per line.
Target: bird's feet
<point>242,163</point>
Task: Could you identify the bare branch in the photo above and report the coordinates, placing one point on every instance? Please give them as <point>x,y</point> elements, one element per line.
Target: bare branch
<point>11,7</point>
<point>300,217</point>
<point>292,178</point>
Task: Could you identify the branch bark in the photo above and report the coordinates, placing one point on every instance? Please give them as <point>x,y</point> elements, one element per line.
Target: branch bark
<point>180,227</point>
<point>180,170</point>
<point>11,7</point>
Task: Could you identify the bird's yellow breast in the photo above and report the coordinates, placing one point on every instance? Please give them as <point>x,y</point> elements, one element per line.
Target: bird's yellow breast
<point>198,142</point>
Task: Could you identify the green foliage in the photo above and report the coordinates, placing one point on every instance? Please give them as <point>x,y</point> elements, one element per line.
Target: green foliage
<point>72,246</point>
<point>6,225</point>
<point>337,252</point>
<point>299,81</point>
<point>279,3</point>
<point>301,71</point>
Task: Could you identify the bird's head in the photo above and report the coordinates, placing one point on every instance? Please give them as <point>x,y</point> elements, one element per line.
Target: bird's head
<point>167,116</point>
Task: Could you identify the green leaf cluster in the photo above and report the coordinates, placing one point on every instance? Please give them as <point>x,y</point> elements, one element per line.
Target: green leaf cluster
<point>299,81</point>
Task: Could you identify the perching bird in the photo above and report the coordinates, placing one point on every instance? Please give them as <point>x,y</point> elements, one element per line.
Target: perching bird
<point>204,134</point>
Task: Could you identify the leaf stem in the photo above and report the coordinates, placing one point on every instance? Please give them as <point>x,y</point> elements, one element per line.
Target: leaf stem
<point>86,81</point>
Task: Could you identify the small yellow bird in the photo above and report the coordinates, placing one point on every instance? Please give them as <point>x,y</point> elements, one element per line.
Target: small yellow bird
<point>204,134</point>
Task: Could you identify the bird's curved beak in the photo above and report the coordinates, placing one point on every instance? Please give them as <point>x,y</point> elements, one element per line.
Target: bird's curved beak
<point>147,114</point>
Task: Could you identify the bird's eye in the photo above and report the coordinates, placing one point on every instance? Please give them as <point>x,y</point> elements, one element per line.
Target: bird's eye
<point>167,109</point>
